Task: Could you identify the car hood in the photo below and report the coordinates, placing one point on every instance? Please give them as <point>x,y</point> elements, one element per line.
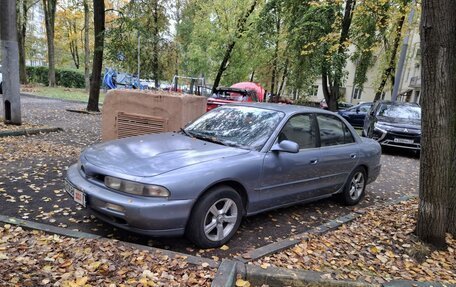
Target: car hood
<point>151,155</point>
<point>400,123</point>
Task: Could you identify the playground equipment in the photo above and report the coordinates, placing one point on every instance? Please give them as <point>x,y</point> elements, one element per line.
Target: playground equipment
<point>113,80</point>
<point>190,85</point>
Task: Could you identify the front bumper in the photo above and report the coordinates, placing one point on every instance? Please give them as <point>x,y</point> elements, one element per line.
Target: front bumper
<point>397,139</point>
<point>144,215</point>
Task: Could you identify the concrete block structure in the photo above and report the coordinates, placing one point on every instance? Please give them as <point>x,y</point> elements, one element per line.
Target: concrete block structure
<point>130,112</point>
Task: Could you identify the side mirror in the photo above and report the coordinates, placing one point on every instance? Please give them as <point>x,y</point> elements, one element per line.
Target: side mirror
<point>358,110</point>
<point>286,146</point>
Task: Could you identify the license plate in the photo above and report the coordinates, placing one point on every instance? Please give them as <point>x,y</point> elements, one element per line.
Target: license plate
<point>406,141</point>
<point>78,195</point>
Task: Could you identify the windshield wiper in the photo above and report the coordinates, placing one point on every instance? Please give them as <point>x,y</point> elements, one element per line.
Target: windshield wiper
<point>209,138</point>
<point>186,133</point>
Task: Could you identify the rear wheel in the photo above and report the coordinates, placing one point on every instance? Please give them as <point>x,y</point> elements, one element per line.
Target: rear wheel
<point>355,187</point>
<point>215,218</point>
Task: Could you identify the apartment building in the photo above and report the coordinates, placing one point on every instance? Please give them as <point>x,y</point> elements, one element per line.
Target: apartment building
<point>410,85</point>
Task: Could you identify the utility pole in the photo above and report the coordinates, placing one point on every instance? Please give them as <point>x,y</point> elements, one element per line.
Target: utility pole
<point>404,49</point>
<point>139,60</point>
<point>10,62</point>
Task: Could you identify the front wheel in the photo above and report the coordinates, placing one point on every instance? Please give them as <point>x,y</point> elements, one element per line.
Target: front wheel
<point>215,218</point>
<point>355,187</point>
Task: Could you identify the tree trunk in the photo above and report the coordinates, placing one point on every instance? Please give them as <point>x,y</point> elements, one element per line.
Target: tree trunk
<point>437,206</point>
<point>86,46</point>
<point>392,62</point>
<point>331,101</point>
<point>97,63</point>
<point>155,67</point>
<point>74,44</point>
<point>22,11</point>
<point>238,34</point>
<point>49,7</point>
<point>252,76</point>
<point>284,78</point>
<point>275,59</point>
<point>333,93</point>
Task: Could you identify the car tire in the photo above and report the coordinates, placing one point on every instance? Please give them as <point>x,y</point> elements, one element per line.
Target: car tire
<point>208,230</point>
<point>355,187</point>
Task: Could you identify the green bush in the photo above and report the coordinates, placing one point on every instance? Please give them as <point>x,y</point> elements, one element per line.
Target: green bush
<point>64,78</point>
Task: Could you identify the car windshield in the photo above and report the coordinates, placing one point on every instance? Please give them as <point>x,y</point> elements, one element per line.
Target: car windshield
<point>400,111</point>
<point>238,126</point>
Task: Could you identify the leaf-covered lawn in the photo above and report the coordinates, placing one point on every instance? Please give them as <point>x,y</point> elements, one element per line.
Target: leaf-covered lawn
<point>378,247</point>
<point>34,258</point>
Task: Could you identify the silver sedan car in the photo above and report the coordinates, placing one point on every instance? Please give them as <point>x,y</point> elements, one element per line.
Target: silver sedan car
<point>234,161</point>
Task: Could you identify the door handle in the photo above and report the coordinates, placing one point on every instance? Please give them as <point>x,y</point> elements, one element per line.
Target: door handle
<point>314,161</point>
<point>353,155</point>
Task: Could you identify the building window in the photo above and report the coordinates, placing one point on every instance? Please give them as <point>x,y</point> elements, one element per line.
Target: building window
<point>357,93</point>
<point>313,92</point>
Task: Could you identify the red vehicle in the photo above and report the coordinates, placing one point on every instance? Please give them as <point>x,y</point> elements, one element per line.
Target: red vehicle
<point>240,92</point>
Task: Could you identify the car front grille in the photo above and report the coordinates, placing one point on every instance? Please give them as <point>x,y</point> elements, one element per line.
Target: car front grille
<point>403,135</point>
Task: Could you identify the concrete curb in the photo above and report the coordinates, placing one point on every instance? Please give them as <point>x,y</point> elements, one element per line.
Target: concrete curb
<point>26,132</point>
<point>288,243</point>
<point>274,276</point>
<point>404,283</point>
<point>83,112</point>
<point>46,228</point>
<point>226,274</point>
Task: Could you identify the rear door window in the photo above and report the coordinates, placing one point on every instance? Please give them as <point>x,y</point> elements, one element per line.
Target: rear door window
<point>333,131</point>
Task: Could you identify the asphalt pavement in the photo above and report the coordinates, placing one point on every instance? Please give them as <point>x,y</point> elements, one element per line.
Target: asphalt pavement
<point>32,169</point>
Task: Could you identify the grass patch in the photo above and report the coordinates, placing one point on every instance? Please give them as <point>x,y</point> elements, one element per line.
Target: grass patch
<point>59,93</point>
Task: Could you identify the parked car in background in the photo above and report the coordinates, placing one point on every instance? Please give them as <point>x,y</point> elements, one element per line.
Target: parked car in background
<point>395,124</point>
<point>340,105</point>
<point>223,96</point>
<point>355,115</point>
<point>234,161</point>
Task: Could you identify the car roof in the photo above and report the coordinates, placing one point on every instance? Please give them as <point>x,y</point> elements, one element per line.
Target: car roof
<point>285,108</point>
<point>396,103</point>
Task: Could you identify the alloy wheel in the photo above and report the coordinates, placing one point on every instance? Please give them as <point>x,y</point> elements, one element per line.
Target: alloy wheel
<point>357,185</point>
<point>220,219</point>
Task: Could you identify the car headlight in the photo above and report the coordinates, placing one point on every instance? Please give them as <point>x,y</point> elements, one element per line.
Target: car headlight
<point>380,127</point>
<point>135,187</point>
